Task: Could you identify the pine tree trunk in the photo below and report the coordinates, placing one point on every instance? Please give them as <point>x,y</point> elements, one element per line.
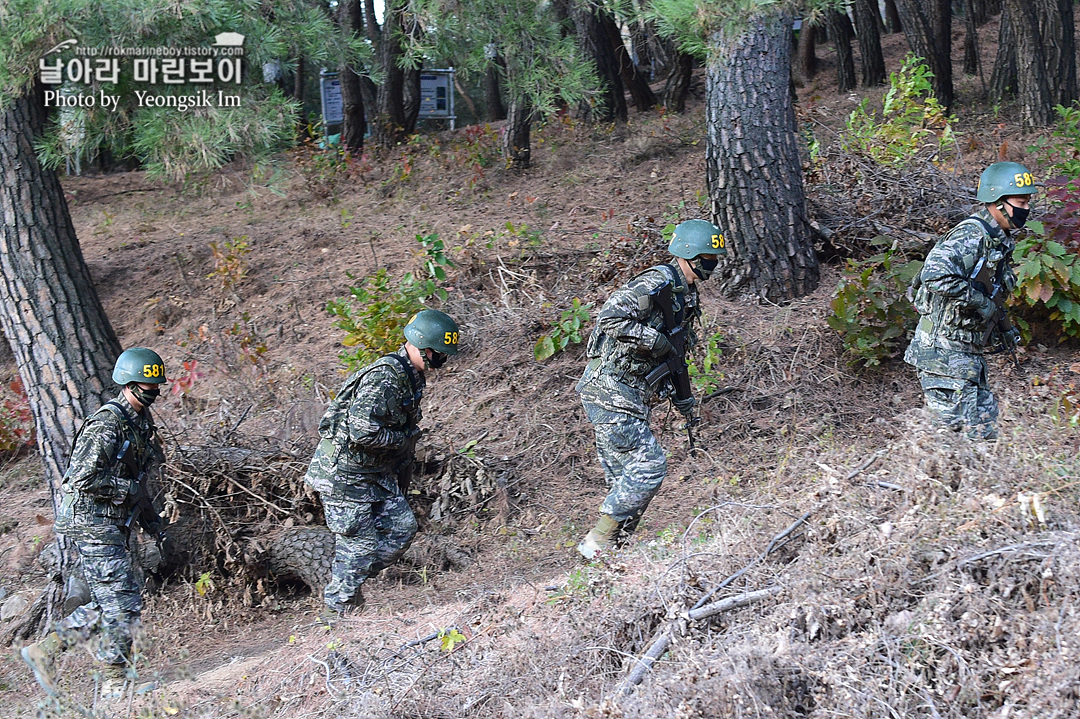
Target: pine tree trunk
<point>981,11</point>
<point>493,104</point>
<point>868,25</point>
<point>411,99</point>
<point>677,85</point>
<point>1032,89</point>
<point>840,29</point>
<point>892,17</point>
<point>926,27</point>
<point>298,84</point>
<point>636,82</point>
<point>752,163</point>
<point>596,46</point>
<point>354,124</point>
<point>516,147</point>
<point>389,121</point>
<point>806,53</point>
<point>1003,79</point>
<point>63,343</point>
<point>971,40</point>
<point>639,40</point>
<point>1056,24</point>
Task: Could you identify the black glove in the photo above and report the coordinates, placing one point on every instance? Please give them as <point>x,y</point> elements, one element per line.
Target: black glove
<point>660,346</point>
<point>685,406</point>
<point>1012,337</point>
<point>984,306</point>
<point>167,548</point>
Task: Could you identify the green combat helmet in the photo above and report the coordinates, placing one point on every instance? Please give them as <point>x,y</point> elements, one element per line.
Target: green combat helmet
<point>1003,179</point>
<point>432,329</point>
<point>139,364</point>
<point>698,237</point>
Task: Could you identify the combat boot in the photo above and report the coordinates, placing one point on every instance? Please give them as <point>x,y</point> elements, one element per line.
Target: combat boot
<point>40,657</point>
<point>600,538</point>
<point>114,681</point>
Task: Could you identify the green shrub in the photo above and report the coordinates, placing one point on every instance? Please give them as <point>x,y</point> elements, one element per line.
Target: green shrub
<point>705,375</point>
<point>1048,265</point>
<point>375,314</point>
<point>870,309</point>
<point>911,118</point>
<point>567,330</point>
<point>1060,153</point>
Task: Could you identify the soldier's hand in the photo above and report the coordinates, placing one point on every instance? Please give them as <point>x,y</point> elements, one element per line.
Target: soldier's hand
<point>1012,337</point>
<point>685,406</point>
<point>661,347</point>
<point>984,306</point>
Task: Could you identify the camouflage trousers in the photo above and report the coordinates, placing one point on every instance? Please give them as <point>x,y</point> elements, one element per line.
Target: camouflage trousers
<point>368,537</point>
<point>634,462</point>
<point>107,621</point>
<point>962,404</point>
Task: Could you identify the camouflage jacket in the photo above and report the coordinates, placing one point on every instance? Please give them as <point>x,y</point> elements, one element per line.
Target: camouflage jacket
<point>99,487</point>
<point>620,347</point>
<point>366,431</point>
<point>954,314</point>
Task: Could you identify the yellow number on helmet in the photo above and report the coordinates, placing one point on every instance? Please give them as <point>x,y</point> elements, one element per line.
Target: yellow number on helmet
<point>450,338</point>
<point>1028,179</point>
<point>1018,180</point>
<point>146,370</point>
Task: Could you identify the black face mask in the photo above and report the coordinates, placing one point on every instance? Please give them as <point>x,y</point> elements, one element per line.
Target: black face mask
<point>705,268</point>
<point>1019,215</point>
<point>146,397</point>
<point>438,359</point>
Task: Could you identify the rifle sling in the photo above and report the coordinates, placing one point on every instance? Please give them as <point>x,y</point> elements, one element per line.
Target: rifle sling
<point>408,373</point>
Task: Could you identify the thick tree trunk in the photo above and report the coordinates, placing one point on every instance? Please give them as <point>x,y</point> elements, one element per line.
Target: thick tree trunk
<point>840,29</point>
<point>1032,88</point>
<point>351,21</point>
<point>63,343</point>
<point>806,54</point>
<point>493,104</point>
<point>677,85</point>
<point>752,163</point>
<point>1056,25</point>
<point>926,27</point>
<point>892,17</point>
<point>981,11</point>
<point>639,40</point>
<point>1003,79</point>
<point>516,146</point>
<point>868,25</point>
<point>636,82</point>
<point>389,122</point>
<point>971,39</point>
<point>593,40</point>
<point>411,99</point>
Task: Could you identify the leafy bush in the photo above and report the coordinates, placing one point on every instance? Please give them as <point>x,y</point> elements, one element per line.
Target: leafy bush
<point>375,315</point>
<point>705,375</point>
<point>16,422</point>
<point>870,309</point>
<point>567,330</point>
<point>230,261</point>
<point>1048,272</point>
<point>911,118</point>
<point>1061,152</point>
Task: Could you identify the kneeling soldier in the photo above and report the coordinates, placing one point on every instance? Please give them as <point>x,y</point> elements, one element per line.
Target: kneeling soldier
<point>103,493</point>
<point>363,463</point>
<point>629,344</point>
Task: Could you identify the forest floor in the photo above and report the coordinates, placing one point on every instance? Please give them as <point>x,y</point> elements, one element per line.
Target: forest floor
<point>932,576</point>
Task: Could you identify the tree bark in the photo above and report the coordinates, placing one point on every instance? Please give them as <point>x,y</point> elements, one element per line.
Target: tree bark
<point>411,100</point>
<point>840,29</point>
<point>354,124</point>
<point>389,121</point>
<point>596,46</point>
<point>298,84</point>
<point>516,139</point>
<point>494,110</point>
<point>752,163</point>
<point>63,343</point>
<point>927,29</point>
<point>892,17</point>
<point>1003,79</point>
<point>1032,88</point>
<point>1056,25</point>
<point>636,82</point>
<point>806,53</point>
<point>677,85</point>
<point>971,39</point>
<point>868,24</point>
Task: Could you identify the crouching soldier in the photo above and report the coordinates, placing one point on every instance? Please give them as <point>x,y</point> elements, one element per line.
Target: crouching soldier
<point>363,463</point>
<point>103,494</point>
<point>629,343</point>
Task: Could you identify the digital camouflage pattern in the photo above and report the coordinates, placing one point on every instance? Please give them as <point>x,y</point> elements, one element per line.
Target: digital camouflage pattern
<point>367,436</point>
<point>614,392</point>
<point>947,348</point>
<point>96,499</point>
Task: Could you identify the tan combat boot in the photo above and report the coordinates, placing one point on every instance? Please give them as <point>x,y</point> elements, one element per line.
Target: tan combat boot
<point>114,681</point>
<point>600,538</point>
<point>40,657</point>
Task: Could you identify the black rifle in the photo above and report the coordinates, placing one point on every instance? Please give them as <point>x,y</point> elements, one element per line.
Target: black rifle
<point>673,365</point>
<point>404,469</point>
<point>142,511</point>
<point>987,282</point>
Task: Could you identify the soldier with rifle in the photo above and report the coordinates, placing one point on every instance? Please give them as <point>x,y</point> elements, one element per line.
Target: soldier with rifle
<point>103,495</point>
<point>637,353</point>
<point>960,296</point>
<point>363,463</point>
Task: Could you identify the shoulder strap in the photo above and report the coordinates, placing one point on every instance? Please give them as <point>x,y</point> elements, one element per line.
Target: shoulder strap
<point>408,373</point>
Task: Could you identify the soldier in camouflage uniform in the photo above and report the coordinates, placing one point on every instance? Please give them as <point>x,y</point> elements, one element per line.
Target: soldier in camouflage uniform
<point>626,345</point>
<point>363,463</point>
<point>957,324</point>
<point>114,452</point>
